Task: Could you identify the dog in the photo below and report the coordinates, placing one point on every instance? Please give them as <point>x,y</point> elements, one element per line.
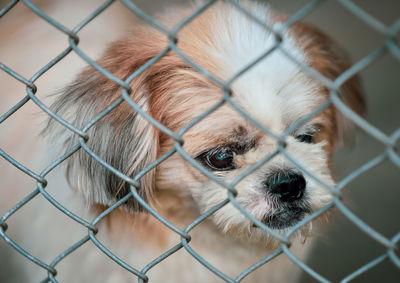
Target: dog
<point>275,92</point>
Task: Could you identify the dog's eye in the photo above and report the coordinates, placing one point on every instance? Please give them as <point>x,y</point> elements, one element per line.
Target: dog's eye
<point>221,159</point>
<point>307,134</point>
<point>306,138</point>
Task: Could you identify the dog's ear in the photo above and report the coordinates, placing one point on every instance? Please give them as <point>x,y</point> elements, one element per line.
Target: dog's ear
<point>328,59</point>
<point>123,138</point>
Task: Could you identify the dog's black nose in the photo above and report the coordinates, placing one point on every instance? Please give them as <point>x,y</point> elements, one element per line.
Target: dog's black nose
<point>288,186</point>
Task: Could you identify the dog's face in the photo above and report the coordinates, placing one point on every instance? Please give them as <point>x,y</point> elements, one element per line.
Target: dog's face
<point>275,92</point>
<point>277,192</point>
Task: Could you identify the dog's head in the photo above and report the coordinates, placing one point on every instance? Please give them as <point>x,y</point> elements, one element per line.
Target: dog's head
<point>275,92</point>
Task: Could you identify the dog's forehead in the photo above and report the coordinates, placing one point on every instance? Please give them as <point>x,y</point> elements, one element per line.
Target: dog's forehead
<point>274,90</point>
<point>276,97</point>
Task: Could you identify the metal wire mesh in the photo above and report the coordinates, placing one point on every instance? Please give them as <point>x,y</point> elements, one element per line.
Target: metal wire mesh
<point>389,141</point>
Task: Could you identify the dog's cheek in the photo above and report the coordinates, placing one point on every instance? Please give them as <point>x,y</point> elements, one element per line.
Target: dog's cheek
<point>175,176</point>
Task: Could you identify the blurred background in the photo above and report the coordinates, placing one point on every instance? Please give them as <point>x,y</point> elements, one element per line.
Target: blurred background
<point>27,43</point>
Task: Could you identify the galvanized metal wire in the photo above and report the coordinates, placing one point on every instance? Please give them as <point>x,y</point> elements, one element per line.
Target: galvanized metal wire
<point>389,141</point>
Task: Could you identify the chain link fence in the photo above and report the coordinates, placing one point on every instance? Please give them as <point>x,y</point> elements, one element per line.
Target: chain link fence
<point>390,142</point>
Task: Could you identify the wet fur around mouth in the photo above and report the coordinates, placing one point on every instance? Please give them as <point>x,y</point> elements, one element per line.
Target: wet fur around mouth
<point>286,218</point>
<point>287,215</point>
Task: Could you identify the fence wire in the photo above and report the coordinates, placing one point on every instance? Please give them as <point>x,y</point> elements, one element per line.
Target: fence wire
<point>391,142</point>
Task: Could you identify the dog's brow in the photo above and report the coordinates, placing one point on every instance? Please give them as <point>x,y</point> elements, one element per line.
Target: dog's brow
<point>244,139</point>
<point>314,124</point>
<point>240,131</point>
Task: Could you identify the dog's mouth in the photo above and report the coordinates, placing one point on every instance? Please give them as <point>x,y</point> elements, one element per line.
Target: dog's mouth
<point>286,217</point>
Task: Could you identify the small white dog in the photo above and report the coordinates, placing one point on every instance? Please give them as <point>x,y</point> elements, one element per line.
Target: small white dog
<point>275,92</point>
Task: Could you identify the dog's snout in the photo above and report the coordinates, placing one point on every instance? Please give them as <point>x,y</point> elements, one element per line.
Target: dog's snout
<point>287,186</point>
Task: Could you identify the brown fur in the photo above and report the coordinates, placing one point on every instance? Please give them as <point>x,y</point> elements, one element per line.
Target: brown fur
<point>330,61</point>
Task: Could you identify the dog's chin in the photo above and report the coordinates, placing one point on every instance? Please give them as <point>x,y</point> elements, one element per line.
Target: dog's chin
<point>286,218</point>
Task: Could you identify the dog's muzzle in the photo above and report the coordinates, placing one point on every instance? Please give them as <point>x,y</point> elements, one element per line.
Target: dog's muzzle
<point>286,189</point>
